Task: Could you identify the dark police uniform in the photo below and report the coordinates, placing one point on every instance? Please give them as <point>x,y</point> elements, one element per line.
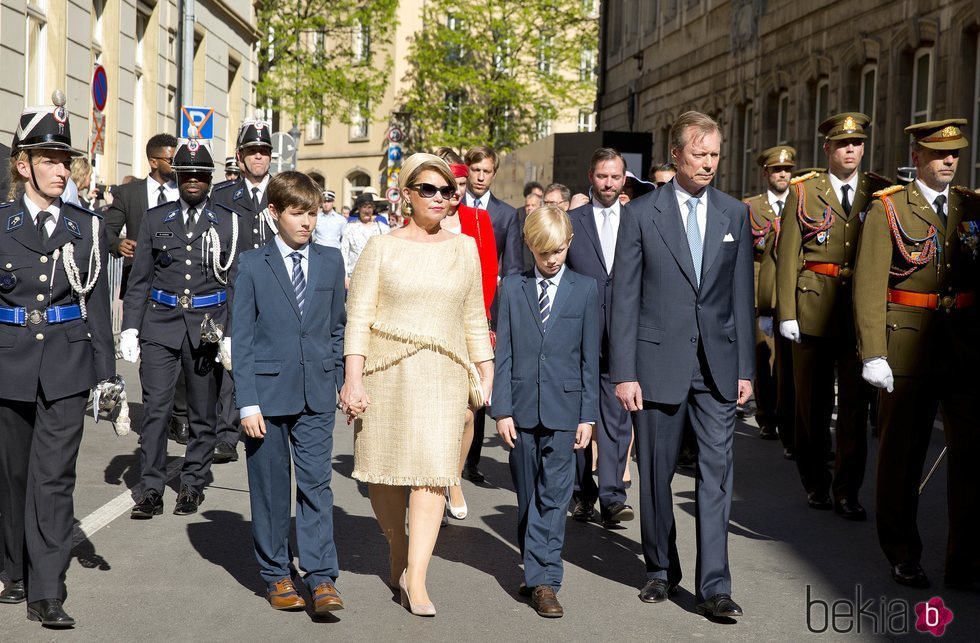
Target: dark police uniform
<point>915,290</point>
<point>55,345</point>
<point>814,271</point>
<point>173,285</point>
<point>250,202</point>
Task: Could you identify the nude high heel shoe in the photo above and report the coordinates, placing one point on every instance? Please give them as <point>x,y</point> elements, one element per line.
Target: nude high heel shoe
<point>459,513</point>
<point>428,609</point>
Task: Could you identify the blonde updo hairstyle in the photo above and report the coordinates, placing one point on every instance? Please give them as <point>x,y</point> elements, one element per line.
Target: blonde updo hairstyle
<point>421,162</point>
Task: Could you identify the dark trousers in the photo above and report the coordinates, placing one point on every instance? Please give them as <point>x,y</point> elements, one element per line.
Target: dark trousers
<point>785,391</point>
<point>37,479</point>
<point>310,437</point>
<point>180,398</point>
<point>814,361</point>
<point>159,366</point>
<point>659,428</point>
<point>228,417</point>
<point>905,421</point>
<point>765,388</point>
<point>542,465</point>
<point>612,434</point>
<point>476,448</point>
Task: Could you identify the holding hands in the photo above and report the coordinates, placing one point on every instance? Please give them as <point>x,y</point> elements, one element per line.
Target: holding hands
<point>353,399</point>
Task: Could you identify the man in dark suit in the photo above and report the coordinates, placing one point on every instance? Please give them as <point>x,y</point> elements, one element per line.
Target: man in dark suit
<point>289,359</point>
<point>682,347</point>
<point>246,196</point>
<point>596,226</point>
<point>482,162</point>
<point>546,395</point>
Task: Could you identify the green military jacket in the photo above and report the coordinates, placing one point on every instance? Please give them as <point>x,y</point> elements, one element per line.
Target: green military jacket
<point>764,222</point>
<point>907,246</point>
<point>815,228</point>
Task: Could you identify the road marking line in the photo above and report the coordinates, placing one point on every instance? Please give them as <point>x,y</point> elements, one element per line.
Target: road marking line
<point>111,510</point>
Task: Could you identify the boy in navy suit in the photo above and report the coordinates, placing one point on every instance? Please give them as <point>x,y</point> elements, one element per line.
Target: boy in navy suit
<point>288,360</point>
<point>546,394</point>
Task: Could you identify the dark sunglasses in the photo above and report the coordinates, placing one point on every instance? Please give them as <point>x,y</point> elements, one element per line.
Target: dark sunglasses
<point>427,190</point>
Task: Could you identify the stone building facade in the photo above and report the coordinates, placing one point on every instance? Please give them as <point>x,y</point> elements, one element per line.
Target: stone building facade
<point>771,70</point>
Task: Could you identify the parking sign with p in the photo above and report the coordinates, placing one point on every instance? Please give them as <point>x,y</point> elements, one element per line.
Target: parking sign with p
<point>200,117</point>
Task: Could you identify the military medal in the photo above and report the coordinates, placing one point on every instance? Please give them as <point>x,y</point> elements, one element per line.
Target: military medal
<point>7,281</point>
<point>822,236</point>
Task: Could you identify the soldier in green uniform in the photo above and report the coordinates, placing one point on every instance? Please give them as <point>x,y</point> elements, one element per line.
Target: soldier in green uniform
<point>814,270</point>
<point>765,212</point>
<point>915,309</point>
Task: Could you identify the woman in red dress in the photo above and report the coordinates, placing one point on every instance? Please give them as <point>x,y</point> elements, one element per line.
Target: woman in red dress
<point>463,219</point>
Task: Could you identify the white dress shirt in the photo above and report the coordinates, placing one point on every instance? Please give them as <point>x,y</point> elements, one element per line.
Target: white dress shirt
<point>930,195</point>
<point>329,229</point>
<point>184,207</point>
<point>774,198</point>
<point>683,196</point>
<point>261,185</point>
<point>170,191</point>
<point>304,265</point>
<point>54,209</point>
<point>836,184</point>
<point>484,200</point>
<point>614,218</point>
<point>553,288</point>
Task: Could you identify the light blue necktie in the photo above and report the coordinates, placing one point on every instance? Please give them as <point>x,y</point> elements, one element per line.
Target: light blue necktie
<point>299,281</point>
<point>694,236</point>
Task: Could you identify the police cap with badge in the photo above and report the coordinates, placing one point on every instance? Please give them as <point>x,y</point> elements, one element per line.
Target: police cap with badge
<point>939,135</point>
<point>255,133</point>
<point>44,128</point>
<point>844,126</point>
<point>193,154</point>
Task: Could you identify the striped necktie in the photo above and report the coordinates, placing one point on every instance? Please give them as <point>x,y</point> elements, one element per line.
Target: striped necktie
<point>299,280</point>
<point>544,303</point>
<point>694,236</point>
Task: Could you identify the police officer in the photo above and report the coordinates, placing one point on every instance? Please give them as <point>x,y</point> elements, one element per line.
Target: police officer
<point>814,271</point>
<point>916,312</point>
<point>55,344</point>
<point>765,212</point>
<point>246,196</point>
<point>231,169</point>
<point>178,299</point>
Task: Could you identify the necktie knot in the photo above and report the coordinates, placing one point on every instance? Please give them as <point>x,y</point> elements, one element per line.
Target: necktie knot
<point>845,200</point>
<point>191,219</point>
<point>298,279</point>
<point>477,204</point>
<point>296,257</point>
<point>544,302</point>
<point>940,204</point>
<point>779,207</point>
<point>162,195</point>
<point>42,219</point>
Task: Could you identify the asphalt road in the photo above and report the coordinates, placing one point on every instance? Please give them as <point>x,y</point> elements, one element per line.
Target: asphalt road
<point>185,578</point>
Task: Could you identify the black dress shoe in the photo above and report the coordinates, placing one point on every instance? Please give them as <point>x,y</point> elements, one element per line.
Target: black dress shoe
<point>188,500</point>
<point>583,511</point>
<point>180,431</point>
<point>524,590</point>
<point>768,433</point>
<point>50,612</point>
<point>789,454</point>
<point>150,504</point>
<point>616,513</point>
<point>910,575</point>
<point>474,475</point>
<point>850,510</point>
<point>820,501</point>
<point>657,591</point>
<point>720,606</point>
<point>225,452</point>
<point>14,593</point>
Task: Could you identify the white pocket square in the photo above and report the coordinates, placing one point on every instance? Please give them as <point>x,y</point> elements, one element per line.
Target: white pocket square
<point>728,237</point>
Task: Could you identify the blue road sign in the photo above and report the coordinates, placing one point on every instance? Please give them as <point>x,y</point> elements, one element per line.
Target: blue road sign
<point>200,117</point>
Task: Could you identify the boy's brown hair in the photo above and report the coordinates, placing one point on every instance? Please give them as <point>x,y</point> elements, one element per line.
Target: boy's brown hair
<point>294,189</point>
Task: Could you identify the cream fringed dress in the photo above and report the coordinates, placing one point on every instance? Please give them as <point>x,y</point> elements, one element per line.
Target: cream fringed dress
<point>415,311</point>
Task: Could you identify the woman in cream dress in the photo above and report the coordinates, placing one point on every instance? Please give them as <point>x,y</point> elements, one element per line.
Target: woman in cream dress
<point>415,322</point>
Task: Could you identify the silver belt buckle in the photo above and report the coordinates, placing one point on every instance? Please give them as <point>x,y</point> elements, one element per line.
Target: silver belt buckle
<point>36,317</point>
<point>184,301</point>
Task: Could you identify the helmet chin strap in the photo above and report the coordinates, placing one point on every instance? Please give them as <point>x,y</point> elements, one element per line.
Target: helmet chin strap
<point>30,163</point>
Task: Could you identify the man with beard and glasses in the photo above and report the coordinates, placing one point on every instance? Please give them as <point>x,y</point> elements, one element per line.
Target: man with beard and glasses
<point>175,314</point>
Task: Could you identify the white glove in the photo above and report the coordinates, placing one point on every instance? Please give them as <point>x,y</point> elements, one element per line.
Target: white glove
<point>790,329</point>
<point>765,325</point>
<point>878,373</point>
<point>129,345</point>
<point>224,353</point>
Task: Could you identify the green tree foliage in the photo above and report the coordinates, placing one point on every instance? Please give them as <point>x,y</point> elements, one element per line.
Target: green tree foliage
<point>319,56</point>
<point>492,71</point>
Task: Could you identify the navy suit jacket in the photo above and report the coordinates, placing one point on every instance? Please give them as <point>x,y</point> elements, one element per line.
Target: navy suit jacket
<point>507,234</point>
<point>660,315</point>
<point>547,376</point>
<point>285,361</point>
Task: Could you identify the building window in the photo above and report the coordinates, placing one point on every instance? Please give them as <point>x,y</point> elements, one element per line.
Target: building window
<point>820,113</point>
<point>782,119</point>
<point>98,9</point>
<point>586,66</point>
<point>454,50</point>
<point>361,43</point>
<point>453,122</point>
<point>922,86</point>
<point>869,89</point>
<point>542,127</point>
<point>544,55</point>
<point>748,155</point>
<point>314,129</point>
<point>586,120</point>
<point>359,121</point>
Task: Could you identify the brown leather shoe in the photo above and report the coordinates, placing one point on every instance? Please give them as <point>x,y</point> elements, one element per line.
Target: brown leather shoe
<point>326,598</point>
<point>545,602</point>
<point>283,596</point>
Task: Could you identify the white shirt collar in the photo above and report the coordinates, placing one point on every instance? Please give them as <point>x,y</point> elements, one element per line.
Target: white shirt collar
<point>34,210</point>
<point>597,208</point>
<point>554,280</point>
<point>930,194</point>
<point>484,200</point>
<point>285,250</point>
<point>837,183</point>
<point>773,197</point>
<point>261,185</point>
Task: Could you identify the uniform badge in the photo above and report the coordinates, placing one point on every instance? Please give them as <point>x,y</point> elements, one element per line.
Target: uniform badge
<point>861,215</point>
<point>822,237</point>
<point>60,114</point>
<point>193,145</point>
<point>7,281</point>
<point>238,193</point>
<point>165,259</point>
<point>15,221</point>
<point>73,227</point>
<point>915,255</point>
<point>211,217</point>
<point>760,243</point>
<point>170,217</point>
<point>164,234</point>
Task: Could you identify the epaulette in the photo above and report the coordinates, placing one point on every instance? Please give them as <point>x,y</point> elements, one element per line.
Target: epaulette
<point>884,180</point>
<point>8,203</point>
<point>750,198</point>
<point>888,191</point>
<point>215,206</point>
<point>78,208</point>
<point>223,184</point>
<point>966,192</point>
<point>164,207</point>
<point>803,177</point>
